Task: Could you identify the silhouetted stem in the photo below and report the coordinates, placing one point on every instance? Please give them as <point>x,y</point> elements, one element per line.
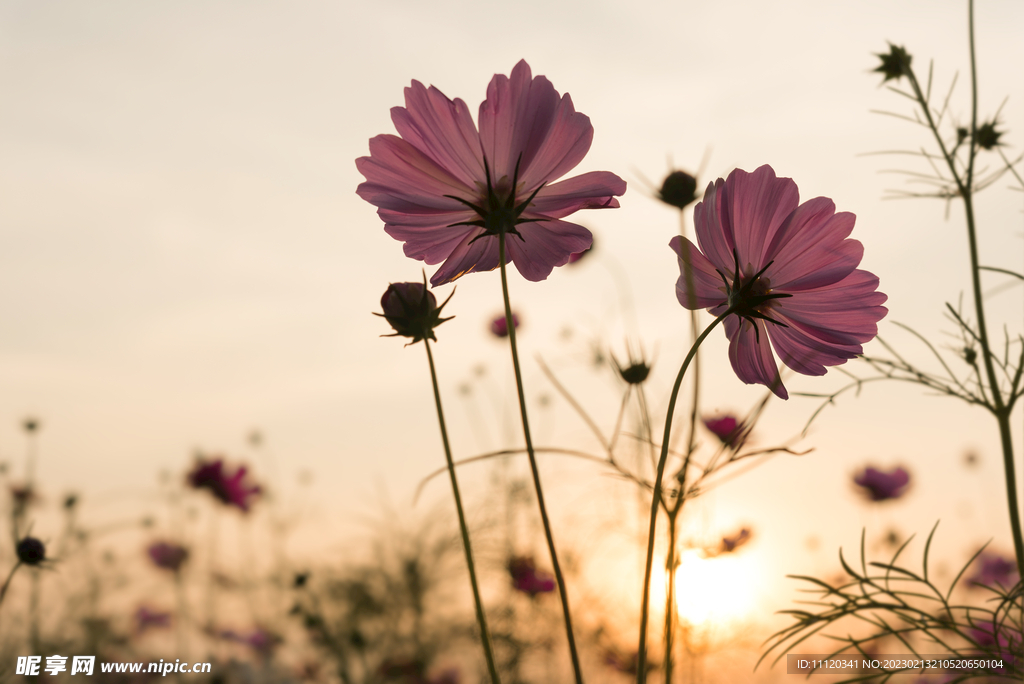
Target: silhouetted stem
<point>481,618</point>
<point>641,672</point>
<point>966,191</point>
<point>559,579</point>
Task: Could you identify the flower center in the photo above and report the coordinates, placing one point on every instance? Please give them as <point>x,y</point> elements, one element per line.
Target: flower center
<point>497,210</point>
<point>750,296</point>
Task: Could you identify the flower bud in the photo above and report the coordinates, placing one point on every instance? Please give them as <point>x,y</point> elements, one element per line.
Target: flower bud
<point>31,551</point>
<point>412,310</point>
<point>679,189</point>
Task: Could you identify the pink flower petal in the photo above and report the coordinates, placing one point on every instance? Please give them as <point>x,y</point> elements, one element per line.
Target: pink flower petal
<point>709,290</point>
<point>758,204</point>
<point>469,257</point>
<point>752,360</point>
<point>441,128</point>
<point>545,245</point>
<point>709,216</point>
<point>594,190</point>
<point>524,115</point>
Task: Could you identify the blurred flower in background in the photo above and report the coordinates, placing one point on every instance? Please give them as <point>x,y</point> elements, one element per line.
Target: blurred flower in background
<point>992,568</point>
<point>881,485</point>
<point>167,555</point>
<point>499,326</point>
<point>231,490</point>
<point>526,578</point>
<point>146,619</point>
<point>728,429</point>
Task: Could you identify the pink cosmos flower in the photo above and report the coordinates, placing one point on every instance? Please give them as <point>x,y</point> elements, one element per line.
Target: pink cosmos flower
<point>499,326</point>
<point>992,568</point>
<point>787,270</point>
<point>527,578</point>
<point>727,428</point>
<point>230,490</point>
<point>146,619</point>
<point>879,485</point>
<point>167,555</point>
<point>447,190</point>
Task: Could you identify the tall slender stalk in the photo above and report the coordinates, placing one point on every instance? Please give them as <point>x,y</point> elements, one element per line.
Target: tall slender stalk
<point>559,579</point>
<point>965,188</point>
<point>641,672</point>
<point>481,618</point>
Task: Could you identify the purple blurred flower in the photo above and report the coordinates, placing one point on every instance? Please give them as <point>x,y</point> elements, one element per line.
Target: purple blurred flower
<point>992,568</point>
<point>146,619</point>
<point>727,428</point>
<point>167,555</point>
<point>447,190</point>
<point>788,272</point>
<point>527,578</point>
<point>998,639</point>
<point>230,490</point>
<point>499,326</point>
<point>733,542</point>
<point>879,485</point>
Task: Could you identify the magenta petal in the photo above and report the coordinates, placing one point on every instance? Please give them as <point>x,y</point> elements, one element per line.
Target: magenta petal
<point>710,217</point>
<point>709,291</point>
<point>545,245</point>
<point>524,116</point>
<point>397,169</point>
<point>853,323</point>
<point>442,129</point>
<point>759,204</point>
<point>805,353</point>
<point>593,190</point>
<point>752,360</point>
<point>468,257</point>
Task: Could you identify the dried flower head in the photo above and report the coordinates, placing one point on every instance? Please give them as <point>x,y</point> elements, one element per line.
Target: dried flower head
<point>895,63</point>
<point>448,191</point>
<point>986,136</point>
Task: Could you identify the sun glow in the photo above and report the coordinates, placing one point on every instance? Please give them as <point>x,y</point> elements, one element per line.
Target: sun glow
<point>717,590</point>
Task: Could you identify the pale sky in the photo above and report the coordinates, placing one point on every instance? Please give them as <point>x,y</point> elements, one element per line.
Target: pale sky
<point>183,257</point>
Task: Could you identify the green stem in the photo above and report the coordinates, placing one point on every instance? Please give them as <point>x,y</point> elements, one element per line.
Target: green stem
<point>559,579</point>
<point>481,619</point>
<point>670,599</point>
<point>965,187</point>
<point>641,672</point>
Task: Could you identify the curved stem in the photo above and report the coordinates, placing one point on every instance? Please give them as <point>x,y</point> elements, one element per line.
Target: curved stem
<point>641,672</point>
<point>559,579</point>
<point>481,619</point>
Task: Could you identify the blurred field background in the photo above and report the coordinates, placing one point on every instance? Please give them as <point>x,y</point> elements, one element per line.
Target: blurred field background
<point>185,267</point>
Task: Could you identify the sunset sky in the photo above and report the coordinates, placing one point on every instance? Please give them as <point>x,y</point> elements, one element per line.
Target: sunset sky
<point>183,257</point>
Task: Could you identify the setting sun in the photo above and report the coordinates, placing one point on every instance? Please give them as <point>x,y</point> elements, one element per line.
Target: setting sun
<point>714,589</point>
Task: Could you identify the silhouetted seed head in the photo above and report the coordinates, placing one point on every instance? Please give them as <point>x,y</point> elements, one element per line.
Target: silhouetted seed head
<point>970,355</point>
<point>30,425</point>
<point>70,501</point>
<point>679,189</point>
<point>300,579</point>
<point>31,551</point>
<point>895,63</point>
<point>986,136</point>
